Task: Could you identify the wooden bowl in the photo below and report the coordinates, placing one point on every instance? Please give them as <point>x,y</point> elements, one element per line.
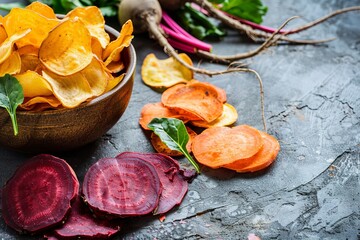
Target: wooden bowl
<point>66,129</point>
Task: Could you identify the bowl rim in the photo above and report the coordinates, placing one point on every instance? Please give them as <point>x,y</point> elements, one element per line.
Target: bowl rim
<point>130,70</point>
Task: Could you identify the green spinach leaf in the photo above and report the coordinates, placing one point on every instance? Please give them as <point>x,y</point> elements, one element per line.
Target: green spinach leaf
<point>173,133</point>
<point>11,96</point>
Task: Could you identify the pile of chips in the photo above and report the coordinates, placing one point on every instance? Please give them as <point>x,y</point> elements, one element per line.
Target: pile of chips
<point>61,62</point>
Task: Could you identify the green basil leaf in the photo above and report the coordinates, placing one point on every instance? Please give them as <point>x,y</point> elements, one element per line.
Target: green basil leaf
<point>11,96</point>
<point>173,133</point>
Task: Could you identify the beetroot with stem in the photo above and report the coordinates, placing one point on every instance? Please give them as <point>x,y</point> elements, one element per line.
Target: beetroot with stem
<point>174,185</point>
<point>39,194</point>
<point>121,188</point>
<point>81,224</point>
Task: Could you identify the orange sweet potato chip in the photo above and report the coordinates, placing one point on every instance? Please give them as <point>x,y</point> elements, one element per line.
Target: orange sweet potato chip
<point>196,98</point>
<point>157,110</point>
<point>262,159</point>
<point>19,19</point>
<point>67,48</point>
<point>165,73</point>
<point>94,21</point>
<point>218,146</point>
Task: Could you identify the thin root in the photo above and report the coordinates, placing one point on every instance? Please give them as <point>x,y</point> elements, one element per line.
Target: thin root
<point>258,35</point>
<point>274,37</point>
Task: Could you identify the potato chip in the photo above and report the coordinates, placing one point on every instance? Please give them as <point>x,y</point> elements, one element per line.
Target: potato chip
<point>93,21</point>
<point>77,88</point>
<point>34,84</point>
<point>123,40</point>
<point>115,67</point>
<point>97,76</point>
<point>6,47</point>
<point>29,62</point>
<point>29,49</point>
<point>19,19</point>
<point>42,9</point>
<point>114,81</point>
<point>3,34</point>
<point>40,103</point>
<point>67,48</point>
<point>228,117</point>
<point>11,65</point>
<point>165,73</point>
<point>96,47</point>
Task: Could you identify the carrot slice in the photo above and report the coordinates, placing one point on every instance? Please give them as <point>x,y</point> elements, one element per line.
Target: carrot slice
<point>266,155</point>
<point>157,110</point>
<point>218,146</point>
<point>161,147</point>
<point>196,98</point>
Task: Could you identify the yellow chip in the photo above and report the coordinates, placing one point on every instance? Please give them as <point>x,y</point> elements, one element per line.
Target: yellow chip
<point>6,48</point>
<point>96,47</point>
<point>122,41</point>
<point>94,21</point>
<point>11,65</point>
<point>228,117</point>
<point>165,73</point>
<point>34,84</point>
<point>40,103</point>
<point>67,48</point>
<point>42,9</point>
<point>3,34</point>
<point>28,49</point>
<point>19,19</point>
<point>114,81</point>
<point>116,67</point>
<point>77,88</point>
<point>29,62</point>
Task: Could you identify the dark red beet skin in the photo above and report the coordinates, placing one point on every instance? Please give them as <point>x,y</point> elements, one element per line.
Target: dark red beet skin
<point>39,194</point>
<point>122,188</point>
<point>174,185</point>
<point>81,224</point>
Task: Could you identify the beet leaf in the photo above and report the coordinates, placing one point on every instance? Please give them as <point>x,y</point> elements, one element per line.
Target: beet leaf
<point>252,10</point>
<point>11,96</point>
<point>173,133</point>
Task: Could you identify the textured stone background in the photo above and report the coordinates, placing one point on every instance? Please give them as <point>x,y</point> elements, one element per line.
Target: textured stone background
<point>312,103</point>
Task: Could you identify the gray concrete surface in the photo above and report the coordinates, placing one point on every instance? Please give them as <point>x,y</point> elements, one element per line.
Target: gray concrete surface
<point>312,105</point>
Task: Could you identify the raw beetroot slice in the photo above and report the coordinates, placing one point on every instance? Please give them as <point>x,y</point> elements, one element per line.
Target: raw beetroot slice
<point>81,224</point>
<point>122,188</point>
<point>39,194</point>
<point>174,185</point>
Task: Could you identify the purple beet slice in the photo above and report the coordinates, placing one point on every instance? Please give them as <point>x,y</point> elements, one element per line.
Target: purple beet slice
<point>122,188</point>
<point>82,225</point>
<point>39,194</point>
<point>174,185</point>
